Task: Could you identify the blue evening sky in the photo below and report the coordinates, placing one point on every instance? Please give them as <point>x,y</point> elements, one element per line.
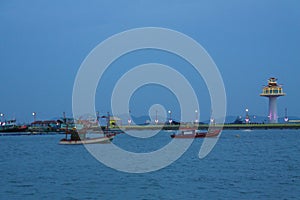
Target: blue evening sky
<point>43,44</point>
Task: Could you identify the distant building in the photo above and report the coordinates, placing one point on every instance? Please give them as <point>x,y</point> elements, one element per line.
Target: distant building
<point>44,126</point>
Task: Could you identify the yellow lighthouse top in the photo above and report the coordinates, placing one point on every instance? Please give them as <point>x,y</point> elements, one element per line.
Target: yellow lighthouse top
<point>272,89</point>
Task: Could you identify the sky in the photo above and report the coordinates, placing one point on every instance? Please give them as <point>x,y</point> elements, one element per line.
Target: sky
<point>43,44</point>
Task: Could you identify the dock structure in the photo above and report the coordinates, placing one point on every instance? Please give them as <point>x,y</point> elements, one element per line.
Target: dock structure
<point>244,126</point>
<point>272,91</point>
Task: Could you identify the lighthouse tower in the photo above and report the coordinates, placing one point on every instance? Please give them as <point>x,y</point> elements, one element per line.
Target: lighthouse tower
<point>272,91</point>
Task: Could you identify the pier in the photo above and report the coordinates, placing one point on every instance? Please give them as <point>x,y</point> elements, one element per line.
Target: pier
<point>224,127</point>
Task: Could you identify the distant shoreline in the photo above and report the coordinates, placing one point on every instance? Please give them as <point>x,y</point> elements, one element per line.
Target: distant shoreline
<point>294,126</point>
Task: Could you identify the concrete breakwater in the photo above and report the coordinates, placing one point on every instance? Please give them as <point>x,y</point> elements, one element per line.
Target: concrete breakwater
<point>165,127</point>
<point>206,126</point>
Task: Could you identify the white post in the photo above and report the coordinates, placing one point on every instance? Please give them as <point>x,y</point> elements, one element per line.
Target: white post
<point>273,118</point>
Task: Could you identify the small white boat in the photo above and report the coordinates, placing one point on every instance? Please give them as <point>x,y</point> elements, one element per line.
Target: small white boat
<point>192,133</point>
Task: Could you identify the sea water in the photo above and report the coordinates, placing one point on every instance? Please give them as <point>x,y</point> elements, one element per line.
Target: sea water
<point>261,164</point>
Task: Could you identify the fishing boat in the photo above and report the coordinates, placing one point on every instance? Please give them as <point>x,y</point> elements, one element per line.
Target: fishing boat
<point>11,126</point>
<point>79,134</point>
<point>193,133</point>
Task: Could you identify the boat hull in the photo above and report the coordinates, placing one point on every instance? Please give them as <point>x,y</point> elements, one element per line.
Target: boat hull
<point>13,129</point>
<point>100,140</point>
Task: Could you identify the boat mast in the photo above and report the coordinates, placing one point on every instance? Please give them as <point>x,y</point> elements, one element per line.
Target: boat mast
<point>65,121</point>
<point>108,121</point>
